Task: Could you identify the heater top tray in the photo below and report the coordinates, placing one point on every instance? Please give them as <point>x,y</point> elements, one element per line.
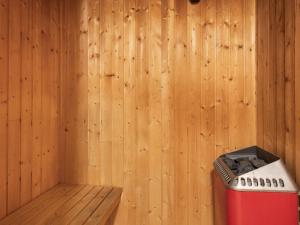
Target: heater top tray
<point>254,169</point>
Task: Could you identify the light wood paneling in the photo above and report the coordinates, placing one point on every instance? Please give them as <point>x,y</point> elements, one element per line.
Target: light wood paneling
<point>168,115</point>
<point>26,100</point>
<point>75,93</point>
<point>297,89</point>
<point>3,105</point>
<point>14,106</point>
<point>37,99</point>
<point>290,84</point>
<point>152,92</point>
<point>29,100</point>
<point>277,79</point>
<point>143,94</point>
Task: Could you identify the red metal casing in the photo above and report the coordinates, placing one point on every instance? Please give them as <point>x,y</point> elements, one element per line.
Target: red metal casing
<point>254,208</point>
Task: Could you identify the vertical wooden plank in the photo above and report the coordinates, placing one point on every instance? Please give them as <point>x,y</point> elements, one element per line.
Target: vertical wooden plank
<point>94,91</point>
<point>62,75</point>
<point>297,84</point>
<point>130,115</point>
<point>155,112</point>
<point>237,104</point>
<point>36,99</point>
<point>56,91</point>
<point>65,56</point>
<point>194,48</point>
<point>168,103</point>
<point>106,76</point>
<point>222,76</point>
<point>280,80</point>
<point>269,82</point>
<point>50,94</point>
<point>118,94</point>
<point>77,94</point>
<point>60,62</point>
<point>250,71</point>
<point>82,88</point>
<point>14,106</point>
<point>51,101</point>
<point>208,79</point>
<point>262,65</point>
<point>118,102</point>
<point>45,94</point>
<point>290,84</point>
<point>180,117</point>
<point>4,57</point>
<point>143,107</point>
<point>67,101</point>
<point>26,101</point>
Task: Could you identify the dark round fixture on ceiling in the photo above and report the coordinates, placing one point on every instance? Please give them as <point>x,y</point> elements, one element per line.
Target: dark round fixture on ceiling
<point>194,1</point>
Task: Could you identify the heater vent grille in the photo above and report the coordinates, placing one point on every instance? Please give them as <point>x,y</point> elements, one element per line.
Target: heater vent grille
<point>259,182</point>
<point>226,176</point>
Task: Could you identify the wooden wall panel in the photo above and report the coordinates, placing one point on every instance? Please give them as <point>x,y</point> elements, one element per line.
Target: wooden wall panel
<point>277,79</point>
<point>152,92</point>
<point>143,110</point>
<point>93,87</point>
<point>180,112</point>
<point>222,76</point>
<point>168,114</point>
<point>14,106</point>
<point>29,100</point>
<point>280,77</point>
<point>207,113</point>
<point>290,84</point>
<point>75,92</point>
<point>130,115</point>
<point>26,100</point>
<point>144,95</point>
<point>3,105</point>
<point>194,45</point>
<point>297,89</point>
<point>155,111</point>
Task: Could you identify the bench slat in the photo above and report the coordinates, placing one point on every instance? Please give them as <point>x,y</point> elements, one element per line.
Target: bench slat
<point>104,210</point>
<point>66,219</point>
<point>40,215</point>
<point>65,208</point>
<point>83,216</point>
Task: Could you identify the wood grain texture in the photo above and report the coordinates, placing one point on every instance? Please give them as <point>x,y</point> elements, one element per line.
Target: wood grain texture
<point>290,85</point>
<point>144,95</point>
<point>75,92</point>
<point>297,89</point>
<point>163,88</point>
<point>26,101</point>
<point>66,204</point>
<point>278,79</point>
<point>14,107</point>
<point>29,112</point>
<point>4,40</point>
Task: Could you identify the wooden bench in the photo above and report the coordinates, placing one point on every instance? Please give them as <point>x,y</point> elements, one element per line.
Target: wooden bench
<point>69,204</point>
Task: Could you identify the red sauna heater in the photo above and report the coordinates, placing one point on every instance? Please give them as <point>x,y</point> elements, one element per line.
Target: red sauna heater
<point>253,187</point>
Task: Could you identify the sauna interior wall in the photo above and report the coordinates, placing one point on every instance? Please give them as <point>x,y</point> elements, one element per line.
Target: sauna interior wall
<point>29,100</point>
<point>152,92</point>
<point>278,80</point>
